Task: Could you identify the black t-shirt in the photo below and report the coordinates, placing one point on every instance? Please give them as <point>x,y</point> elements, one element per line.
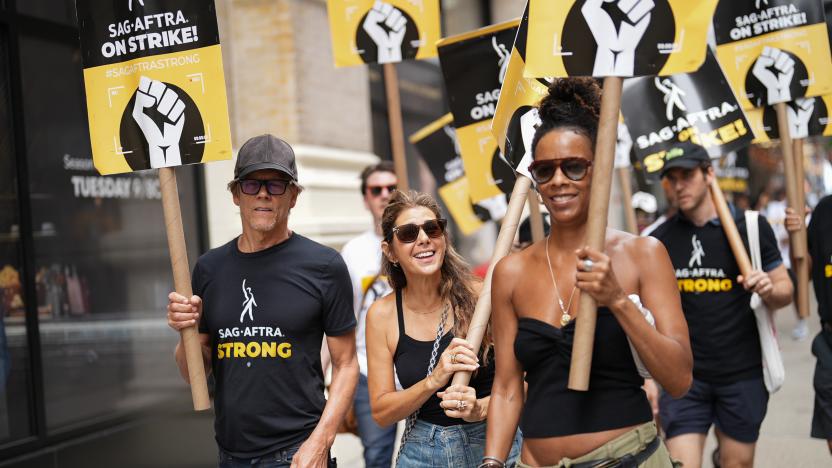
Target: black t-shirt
<point>820,249</point>
<point>266,313</point>
<point>723,331</point>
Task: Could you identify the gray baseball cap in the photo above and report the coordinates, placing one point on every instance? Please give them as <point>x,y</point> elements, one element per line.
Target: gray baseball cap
<point>265,152</point>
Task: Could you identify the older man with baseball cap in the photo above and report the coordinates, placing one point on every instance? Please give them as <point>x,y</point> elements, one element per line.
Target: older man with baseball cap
<point>263,303</point>
<point>728,389</point>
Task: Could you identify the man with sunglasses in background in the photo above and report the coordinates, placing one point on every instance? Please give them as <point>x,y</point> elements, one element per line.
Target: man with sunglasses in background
<point>728,390</point>
<point>362,255</point>
<point>263,303</point>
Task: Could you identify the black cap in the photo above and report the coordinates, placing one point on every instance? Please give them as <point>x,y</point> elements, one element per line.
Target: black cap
<point>685,155</point>
<point>265,152</point>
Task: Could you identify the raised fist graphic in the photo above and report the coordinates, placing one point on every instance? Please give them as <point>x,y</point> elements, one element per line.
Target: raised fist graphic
<point>617,47</point>
<point>386,26</point>
<point>163,142</point>
<point>800,112</point>
<point>775,69</point>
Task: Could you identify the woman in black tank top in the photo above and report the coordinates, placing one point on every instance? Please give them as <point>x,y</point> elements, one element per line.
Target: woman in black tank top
<point>534,301</point>
<point>417,335</point>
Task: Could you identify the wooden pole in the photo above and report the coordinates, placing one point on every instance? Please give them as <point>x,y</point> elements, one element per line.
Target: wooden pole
<point>602,167</point>
<point>797,239</point>
<point>535,217</point>
<point>730,228</point>
<point>627,199</point>
<point>394,120</point>
<point>182,285</point>
<point>482,312</point>
<point>801,267</point>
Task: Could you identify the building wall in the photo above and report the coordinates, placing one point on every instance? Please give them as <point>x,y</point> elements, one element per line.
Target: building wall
<point>281,80</point>
<point>504,10</point>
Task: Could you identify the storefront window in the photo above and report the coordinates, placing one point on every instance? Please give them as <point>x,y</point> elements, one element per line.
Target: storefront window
<point>102,266</point>
<point>15,387</point>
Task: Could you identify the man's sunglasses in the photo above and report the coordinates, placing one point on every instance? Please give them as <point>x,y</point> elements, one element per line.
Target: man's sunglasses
<point>574,169</point>
<point>407,233</point>
<point>273,186</point>
<point>376,190</point>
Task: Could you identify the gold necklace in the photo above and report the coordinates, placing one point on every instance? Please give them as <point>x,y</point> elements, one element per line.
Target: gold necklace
<point>565,317</point>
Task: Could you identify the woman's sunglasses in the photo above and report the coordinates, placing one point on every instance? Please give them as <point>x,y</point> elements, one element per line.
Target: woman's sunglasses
<point>376,190</point>
<point>407,233</point>
<point>574,169</point>
<point>273,186</point>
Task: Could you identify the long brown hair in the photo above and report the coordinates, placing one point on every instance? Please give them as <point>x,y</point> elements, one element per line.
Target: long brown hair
<point>456,286</point>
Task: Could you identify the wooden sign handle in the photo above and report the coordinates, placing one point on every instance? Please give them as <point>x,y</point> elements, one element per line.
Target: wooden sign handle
<point>730,228</point>
<point>394,120</point>
<point>596,230</point>
<point>627,200</point>
<point>797,239</point>
<point>801,267</point>
<point>482,312</point>
<point>535,217</point>
<point>182,285</point>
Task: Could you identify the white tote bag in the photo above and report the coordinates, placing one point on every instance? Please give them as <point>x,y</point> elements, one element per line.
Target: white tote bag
<point>773,371</point>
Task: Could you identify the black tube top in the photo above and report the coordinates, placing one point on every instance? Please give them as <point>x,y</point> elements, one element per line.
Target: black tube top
<point>615,398</point>
<point>412,358</point>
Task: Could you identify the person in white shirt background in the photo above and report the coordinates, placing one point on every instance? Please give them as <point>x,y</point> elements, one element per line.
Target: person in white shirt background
<point>362,255</point>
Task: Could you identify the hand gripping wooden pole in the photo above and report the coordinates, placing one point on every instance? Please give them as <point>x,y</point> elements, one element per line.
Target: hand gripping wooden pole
<point>730,228</point>
<point>535,217</point>
<point>394,120</point>
<point>182,285</point>
<point>801,266</point>
<point>627,199</point>
<point>482,312</point>
<point>797,239</point>
<point>596,229</point>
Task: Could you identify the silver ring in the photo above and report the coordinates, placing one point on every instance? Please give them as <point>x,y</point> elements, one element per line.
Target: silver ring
<point>461,405</point>
<point>588,264</point>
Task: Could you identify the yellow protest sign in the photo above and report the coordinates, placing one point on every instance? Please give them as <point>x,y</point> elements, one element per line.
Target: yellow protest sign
<point>515,117</point>
<point>389,31</point>
<point>808,116</point>
<point>616,37</point>
<point>773,50</point>
<point>154,84</point>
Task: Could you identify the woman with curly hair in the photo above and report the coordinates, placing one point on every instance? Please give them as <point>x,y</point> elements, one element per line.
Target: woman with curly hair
<point>417,334</point>
<point>534,304</point>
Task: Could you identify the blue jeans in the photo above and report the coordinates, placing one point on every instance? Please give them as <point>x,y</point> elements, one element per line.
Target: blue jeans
<point>378,441</point>
<point>276,459</point>
<point>460,446</point>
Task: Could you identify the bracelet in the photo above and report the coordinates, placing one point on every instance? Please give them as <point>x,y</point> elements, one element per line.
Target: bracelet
<point>491,462</point>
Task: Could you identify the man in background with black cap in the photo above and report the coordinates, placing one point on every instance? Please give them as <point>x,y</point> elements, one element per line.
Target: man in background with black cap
<point>263,303</point>
<point>728,388</point>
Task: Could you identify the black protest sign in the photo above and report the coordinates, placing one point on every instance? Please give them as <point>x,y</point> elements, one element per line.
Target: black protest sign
<point>439,148</point>
<point>773,51</point>
<point>474,67</point>
<point>661,112</point>
<point>154,83</point>
<point>733,172</point>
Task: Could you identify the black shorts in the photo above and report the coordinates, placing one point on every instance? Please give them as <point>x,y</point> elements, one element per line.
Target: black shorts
<point>822,417</point>
<point>737,410</point>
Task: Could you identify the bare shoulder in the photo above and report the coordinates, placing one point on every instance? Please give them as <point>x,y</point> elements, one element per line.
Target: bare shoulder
<point>512,264</point>
<point>382,312</point>
<point>636,248</point>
